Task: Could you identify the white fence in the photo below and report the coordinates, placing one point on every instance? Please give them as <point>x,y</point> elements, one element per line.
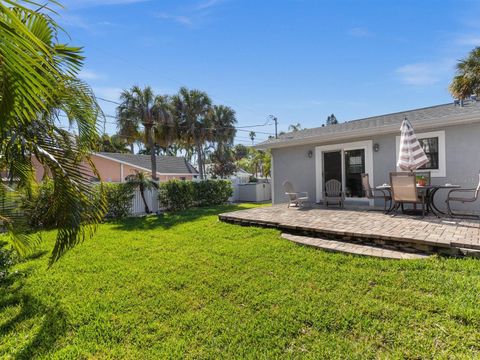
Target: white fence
<point>151,196</point>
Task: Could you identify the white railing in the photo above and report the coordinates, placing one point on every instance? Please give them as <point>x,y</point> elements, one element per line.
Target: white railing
<point>151,197</point>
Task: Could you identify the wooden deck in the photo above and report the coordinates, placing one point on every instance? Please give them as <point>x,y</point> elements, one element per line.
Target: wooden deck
<point>457,237</point>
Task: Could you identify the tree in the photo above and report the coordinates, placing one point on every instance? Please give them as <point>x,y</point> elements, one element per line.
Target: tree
<point>37,84</point>
<point>222,120</point>
<point>191,110</point>
<point>252,136</point>
<point>240,151</point>
<point>223,163</point>
<point>153,112</point>
<point>114,144</point>
<point>467,80</point>
<point>141,181</point>
<point>332,120</point>
<point>295,127</point>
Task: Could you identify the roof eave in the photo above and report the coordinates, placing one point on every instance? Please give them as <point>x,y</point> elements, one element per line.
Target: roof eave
<point>384,130</point>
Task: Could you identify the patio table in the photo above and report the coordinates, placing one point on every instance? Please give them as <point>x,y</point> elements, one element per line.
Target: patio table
<point>430,191</point>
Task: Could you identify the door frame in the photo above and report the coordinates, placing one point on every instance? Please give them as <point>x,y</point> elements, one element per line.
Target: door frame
<point>366,145</point>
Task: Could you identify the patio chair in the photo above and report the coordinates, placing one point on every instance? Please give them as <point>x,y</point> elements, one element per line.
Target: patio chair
<point>333,193</point>
<point>370,192</point>
<point>296,199</point>
<point>452,196</point>
<point>404,191</point>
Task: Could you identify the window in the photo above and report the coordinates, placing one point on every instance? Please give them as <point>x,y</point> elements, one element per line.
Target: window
<point>430,147</point>
<point>433,144</point>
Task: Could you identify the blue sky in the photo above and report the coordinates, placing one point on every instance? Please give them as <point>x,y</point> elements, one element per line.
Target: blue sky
<point>299,60</point>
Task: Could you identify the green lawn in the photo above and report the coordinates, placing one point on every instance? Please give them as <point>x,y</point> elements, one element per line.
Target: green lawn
<point>189,286</point>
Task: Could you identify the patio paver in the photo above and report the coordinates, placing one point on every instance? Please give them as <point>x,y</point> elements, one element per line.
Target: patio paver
<point>359,225</point>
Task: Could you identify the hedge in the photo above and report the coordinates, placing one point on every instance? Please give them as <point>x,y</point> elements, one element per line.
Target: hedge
<point>175,195</point>
<point>119,200</point>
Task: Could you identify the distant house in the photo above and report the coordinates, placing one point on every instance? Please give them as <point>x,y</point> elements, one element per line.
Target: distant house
<point>449,134</point>
<point>115,167</point>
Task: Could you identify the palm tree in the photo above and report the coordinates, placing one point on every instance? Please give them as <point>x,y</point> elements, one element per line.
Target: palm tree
<point>252,136</point>
<point>467,80</point>
<point>141,181</point>
<point>191,110</point>
<point>295,127</point>
<point>223,121</point>
<point>142,106</point>
<point>37,84</point>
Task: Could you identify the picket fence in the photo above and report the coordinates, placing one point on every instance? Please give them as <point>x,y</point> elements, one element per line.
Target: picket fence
<point>151,196</point>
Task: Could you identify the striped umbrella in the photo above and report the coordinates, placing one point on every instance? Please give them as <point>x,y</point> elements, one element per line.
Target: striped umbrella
<point>411,155</point>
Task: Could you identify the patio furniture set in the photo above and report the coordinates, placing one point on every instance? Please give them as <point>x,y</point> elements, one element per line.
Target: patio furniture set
<point>404,188</point>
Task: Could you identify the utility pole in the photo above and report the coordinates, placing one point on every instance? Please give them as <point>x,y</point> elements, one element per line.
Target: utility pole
<point>274,118</point>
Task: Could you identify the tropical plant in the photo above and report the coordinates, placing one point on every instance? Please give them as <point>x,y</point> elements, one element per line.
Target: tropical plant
<point>192,112</point>
<point>141,181</point>
<point>142,107</point>
<point>37,85</point>
<point>467,80</point>
<point>222,121</point>
<point>295,127</point>
<point>113,144</point>
<point>252,136</point>
<point>332,120</point>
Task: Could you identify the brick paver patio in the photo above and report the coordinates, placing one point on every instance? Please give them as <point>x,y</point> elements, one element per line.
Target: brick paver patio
<point>428,234</point>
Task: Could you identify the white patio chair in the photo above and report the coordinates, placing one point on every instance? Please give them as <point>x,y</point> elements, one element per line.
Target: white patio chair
<point>333,193</point>
<point>296,199</point>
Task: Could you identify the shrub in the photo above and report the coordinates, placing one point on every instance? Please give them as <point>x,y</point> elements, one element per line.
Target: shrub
<point>212,192</point>
<point>119,200</point>
<point>176,195</point>
<point>38,204</point>
<point>7,260</point>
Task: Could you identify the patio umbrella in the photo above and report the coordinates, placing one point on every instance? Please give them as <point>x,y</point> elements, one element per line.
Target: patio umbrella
<point>411,155</point>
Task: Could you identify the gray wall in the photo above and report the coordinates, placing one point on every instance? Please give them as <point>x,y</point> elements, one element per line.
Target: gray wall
<point>462,145</point>
<point>294,165</point>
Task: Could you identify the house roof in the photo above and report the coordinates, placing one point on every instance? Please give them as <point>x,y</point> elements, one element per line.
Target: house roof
<point>421,119</point>
<point>165,164</point>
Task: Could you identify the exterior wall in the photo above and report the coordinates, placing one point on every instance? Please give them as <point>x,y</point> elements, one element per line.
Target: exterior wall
<point>462,147</point>
<point>111,171</point>
<point>294,165</point>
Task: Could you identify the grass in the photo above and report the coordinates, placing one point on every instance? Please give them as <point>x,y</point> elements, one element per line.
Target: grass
<point>187,285</point>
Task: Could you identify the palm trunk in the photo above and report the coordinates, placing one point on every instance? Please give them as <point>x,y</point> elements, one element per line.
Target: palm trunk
<point>153,156</point>
<point>142,194</point>
<point>132,150</point>
<point>200,160</point>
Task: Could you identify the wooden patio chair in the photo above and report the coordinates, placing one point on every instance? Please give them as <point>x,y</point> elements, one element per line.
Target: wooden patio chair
<point>333,193</point>
<point>370,192</point>
<point>404,191</point>
<point>474,193</point>
<point>296,199</point>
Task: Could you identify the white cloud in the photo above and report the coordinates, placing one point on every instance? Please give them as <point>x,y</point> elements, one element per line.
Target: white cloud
<point>425,73</point>
<point>360,32</point>
<point>468,40</point>
<point>208,4</point>
<point>94,3</point>
<point>86,74</point>
<point>108,93</point>
<point>182,19</point>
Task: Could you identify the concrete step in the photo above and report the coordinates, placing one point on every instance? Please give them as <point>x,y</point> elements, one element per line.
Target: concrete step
<point>349,248</point>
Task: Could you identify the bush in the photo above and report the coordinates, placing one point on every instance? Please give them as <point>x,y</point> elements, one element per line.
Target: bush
<point>212,192</point>
<point>178,195</point>
<point>7,260</point>
<point>119,200</point>
<point>38,205</point>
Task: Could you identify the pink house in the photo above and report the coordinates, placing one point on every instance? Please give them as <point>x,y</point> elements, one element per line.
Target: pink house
<point>115,167</point>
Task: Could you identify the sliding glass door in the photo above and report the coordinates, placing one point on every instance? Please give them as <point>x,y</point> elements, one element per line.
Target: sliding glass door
<point>354,167</point>
<point>345,163</point>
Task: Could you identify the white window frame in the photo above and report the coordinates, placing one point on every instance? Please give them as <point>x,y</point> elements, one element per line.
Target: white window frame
<point>442,162</point>
<point>367,146</point>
